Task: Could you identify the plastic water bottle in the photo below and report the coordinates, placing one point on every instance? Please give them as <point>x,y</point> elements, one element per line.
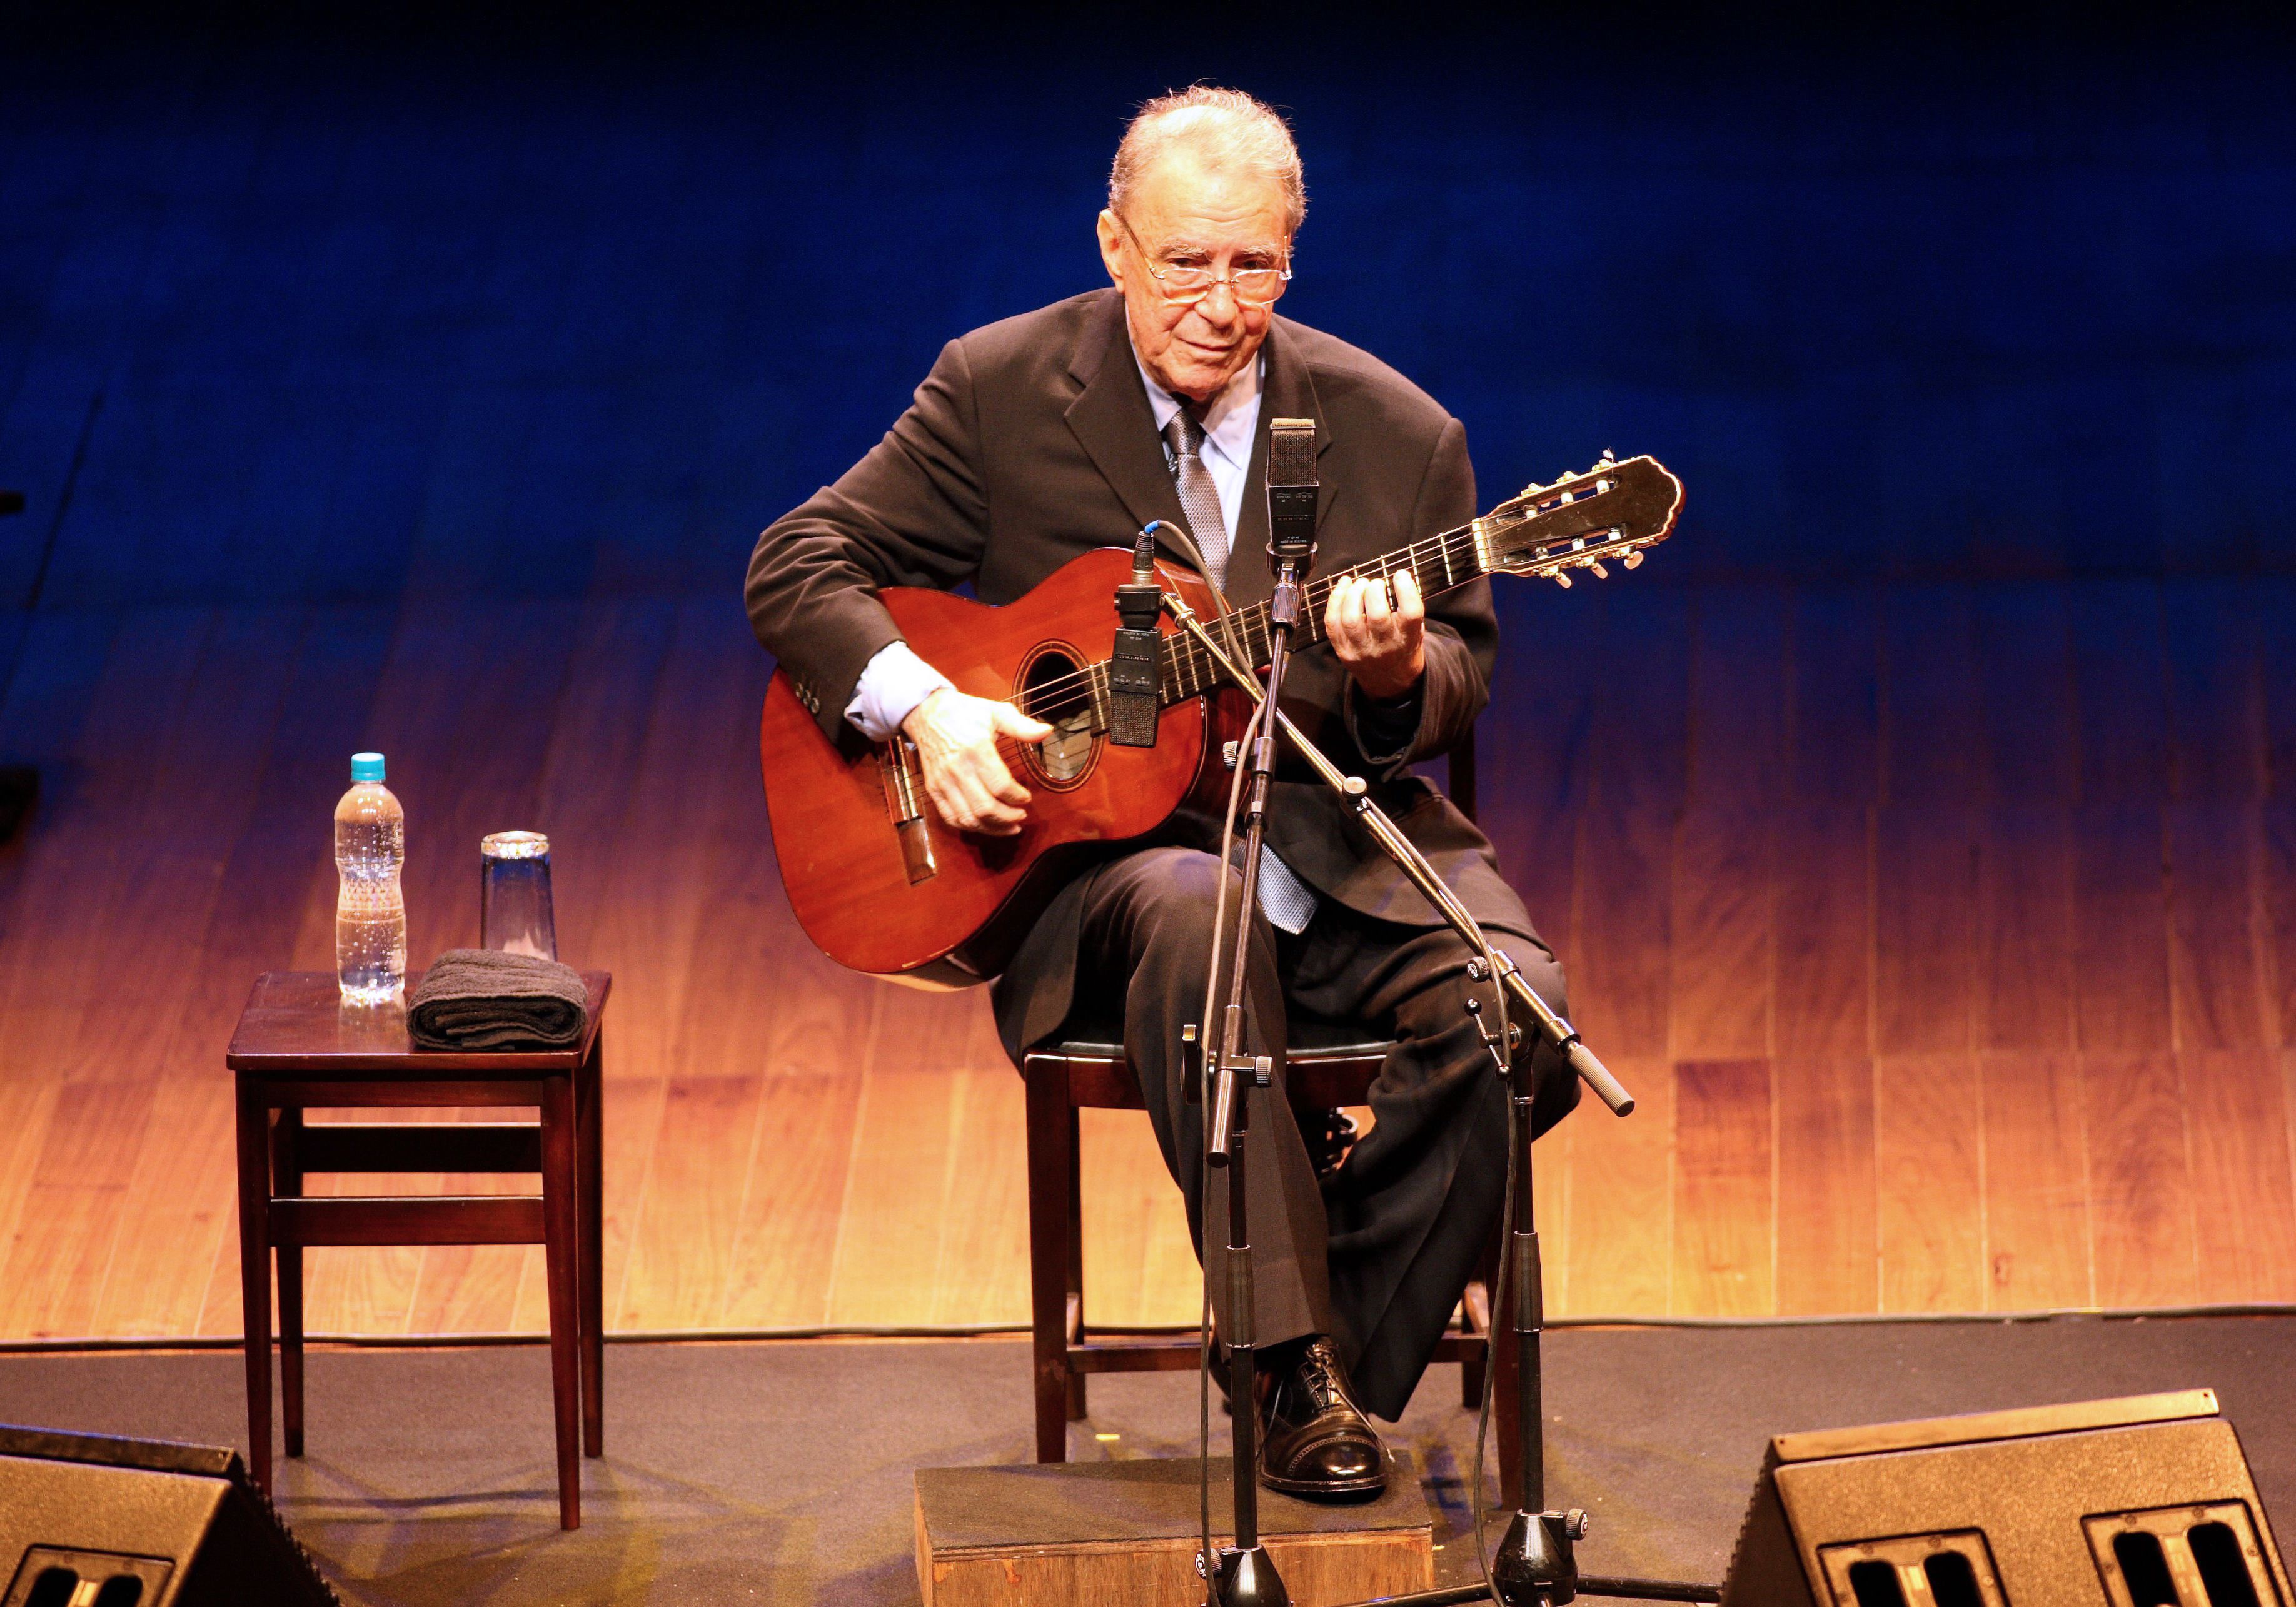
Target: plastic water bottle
<point>370,910</point>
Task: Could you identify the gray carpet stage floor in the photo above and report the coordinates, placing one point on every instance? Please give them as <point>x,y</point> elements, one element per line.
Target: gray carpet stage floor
<point>780,1473</point>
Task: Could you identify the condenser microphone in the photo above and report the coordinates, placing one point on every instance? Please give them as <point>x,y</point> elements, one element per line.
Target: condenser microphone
<point>1292,493</point>
<point>1134,683</point>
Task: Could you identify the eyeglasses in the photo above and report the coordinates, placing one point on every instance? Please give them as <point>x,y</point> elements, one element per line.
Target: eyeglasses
<point>1184,286</point>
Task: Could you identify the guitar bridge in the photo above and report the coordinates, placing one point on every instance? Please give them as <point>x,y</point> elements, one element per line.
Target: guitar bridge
<point>898,772</point>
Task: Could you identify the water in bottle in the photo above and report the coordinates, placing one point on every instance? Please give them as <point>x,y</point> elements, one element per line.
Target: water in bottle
<point>370,910</point>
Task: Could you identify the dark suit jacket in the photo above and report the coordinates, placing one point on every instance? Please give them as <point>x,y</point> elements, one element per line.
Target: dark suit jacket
<point>1032,441</point>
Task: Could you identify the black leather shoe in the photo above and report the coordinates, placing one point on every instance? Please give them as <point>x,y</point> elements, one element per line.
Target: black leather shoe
<point>1313,1439</point>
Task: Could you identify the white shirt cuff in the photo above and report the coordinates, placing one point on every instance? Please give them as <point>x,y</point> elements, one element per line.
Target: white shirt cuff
<point>891,684</point>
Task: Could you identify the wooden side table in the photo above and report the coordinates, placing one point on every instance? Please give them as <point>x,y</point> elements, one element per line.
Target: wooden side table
<point>296,1047</point>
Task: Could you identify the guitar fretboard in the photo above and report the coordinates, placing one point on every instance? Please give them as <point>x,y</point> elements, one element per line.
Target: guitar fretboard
<point>1438,564</point>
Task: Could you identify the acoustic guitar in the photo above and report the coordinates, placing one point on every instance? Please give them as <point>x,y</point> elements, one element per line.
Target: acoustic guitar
<point>882,884</point>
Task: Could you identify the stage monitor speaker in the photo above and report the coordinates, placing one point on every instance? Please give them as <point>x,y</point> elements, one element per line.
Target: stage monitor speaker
<point>2142,1502</point>
<point>86,1521</point>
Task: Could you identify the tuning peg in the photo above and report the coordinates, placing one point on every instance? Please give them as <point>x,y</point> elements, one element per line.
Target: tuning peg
<point>1533,489</point>
<point>1563,580</point>
<point>1607,457</point>
<point>1596,564</point>
<point>1635,558</point>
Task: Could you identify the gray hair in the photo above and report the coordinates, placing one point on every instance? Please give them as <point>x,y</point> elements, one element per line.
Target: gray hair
<point>1226,127</point>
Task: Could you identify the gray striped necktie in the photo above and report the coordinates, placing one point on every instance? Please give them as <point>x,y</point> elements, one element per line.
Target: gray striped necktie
<point>1200,499</point>
<point>1285,900</point>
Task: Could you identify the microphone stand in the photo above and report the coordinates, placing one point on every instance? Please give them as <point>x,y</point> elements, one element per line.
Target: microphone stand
<point>1534,1566</point>
<point>1244,1575</point>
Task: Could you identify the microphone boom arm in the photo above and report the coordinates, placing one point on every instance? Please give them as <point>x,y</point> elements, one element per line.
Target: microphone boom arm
<point>1553,1028</point>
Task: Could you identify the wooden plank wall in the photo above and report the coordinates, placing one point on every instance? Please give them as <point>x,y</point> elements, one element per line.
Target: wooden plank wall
<point>1948,933</point>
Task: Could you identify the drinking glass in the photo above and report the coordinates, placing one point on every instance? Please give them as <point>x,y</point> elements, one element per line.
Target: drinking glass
<point>515,910</point>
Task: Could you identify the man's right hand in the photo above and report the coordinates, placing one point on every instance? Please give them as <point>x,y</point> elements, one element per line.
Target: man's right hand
<point>965,776</point>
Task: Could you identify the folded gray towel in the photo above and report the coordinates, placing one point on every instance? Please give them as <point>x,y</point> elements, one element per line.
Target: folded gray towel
<point>481,998</point>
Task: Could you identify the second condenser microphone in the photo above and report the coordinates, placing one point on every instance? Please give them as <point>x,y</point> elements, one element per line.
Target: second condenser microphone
<point>1134,682</point>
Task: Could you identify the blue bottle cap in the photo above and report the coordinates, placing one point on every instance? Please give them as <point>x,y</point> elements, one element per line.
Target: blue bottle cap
<point>367,766</point>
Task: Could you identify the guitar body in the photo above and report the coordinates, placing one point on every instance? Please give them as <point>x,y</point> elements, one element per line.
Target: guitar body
<point>879,880</point>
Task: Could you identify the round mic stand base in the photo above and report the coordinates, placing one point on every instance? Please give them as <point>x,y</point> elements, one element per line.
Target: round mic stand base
<point>1247,1578</point>
<point>1534,1566</point>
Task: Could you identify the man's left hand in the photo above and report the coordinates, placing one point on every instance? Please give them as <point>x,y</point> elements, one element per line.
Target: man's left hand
<point>1382,643</point>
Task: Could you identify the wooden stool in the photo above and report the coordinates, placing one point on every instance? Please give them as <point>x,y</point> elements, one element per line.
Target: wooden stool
<point>296,1047</point>
<point>1070,1076</point>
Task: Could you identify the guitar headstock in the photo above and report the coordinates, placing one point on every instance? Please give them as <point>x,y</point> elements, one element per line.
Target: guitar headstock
<point>1614,509</point>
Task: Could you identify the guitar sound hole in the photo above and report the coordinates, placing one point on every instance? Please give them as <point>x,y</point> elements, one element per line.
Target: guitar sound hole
<point>1053,690</point>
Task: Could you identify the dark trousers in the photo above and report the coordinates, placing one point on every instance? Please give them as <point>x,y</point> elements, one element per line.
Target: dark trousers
<point>1377,1254</point>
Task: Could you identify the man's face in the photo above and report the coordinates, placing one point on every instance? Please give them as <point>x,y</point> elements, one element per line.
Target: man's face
<point>1181,215</point>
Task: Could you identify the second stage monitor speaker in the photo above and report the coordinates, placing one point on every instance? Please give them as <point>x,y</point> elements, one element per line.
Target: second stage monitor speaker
<point>2141,1501</point>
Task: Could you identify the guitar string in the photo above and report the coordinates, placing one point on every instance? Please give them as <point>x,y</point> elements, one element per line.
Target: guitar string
<point>1253,619</point>
<point>1180,653</point>
<point>1202,675</point>
<point>1446,546</point>
<point>1464,539</point>
<point>1188,656</point>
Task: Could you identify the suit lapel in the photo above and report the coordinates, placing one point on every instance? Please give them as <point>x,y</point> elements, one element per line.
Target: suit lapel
<point>1112,421</point>
<point>1288,393</point>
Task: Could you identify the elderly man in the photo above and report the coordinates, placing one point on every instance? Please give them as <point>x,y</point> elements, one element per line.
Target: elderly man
<point>1038,437</point>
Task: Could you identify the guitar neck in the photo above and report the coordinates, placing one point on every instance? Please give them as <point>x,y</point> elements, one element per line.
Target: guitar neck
<point>1439,564</point>
<point>1611,511</point>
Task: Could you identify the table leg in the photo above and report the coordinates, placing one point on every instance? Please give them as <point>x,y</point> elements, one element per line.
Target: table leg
<point>590,1139</point>
<point>286,1179</point>
<point>255,1272</point>
<point>562,1236</point>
